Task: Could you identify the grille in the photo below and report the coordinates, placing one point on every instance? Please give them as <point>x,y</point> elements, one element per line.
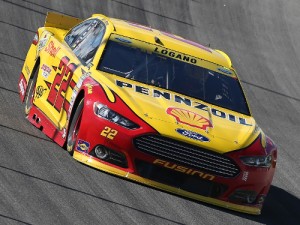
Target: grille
<point>176,179</point>
<point>118,159</point>
<point>187,155</point>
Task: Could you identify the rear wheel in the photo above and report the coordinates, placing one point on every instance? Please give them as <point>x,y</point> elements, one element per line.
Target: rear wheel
<point>30,91</point>
<point>74,128</point>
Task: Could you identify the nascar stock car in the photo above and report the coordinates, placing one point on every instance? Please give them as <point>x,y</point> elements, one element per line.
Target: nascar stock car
<point>149,106</point>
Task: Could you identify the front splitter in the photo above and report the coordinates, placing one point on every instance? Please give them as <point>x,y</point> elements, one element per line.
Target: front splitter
<point>88,160</point>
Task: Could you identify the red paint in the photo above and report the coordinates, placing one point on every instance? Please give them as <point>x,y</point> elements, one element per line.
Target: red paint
<point>62,80</point>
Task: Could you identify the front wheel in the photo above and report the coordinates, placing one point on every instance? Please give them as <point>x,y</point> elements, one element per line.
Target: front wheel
<point>74,128</point>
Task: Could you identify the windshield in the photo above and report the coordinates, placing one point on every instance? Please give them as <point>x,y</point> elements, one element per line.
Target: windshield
<point>131,62</point>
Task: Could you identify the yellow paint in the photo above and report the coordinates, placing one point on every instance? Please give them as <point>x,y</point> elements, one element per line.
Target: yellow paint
<point>147,107</point>
<point>61,21</point>
<point>90,89</point>
<point>151,109</point>
<point>109,94</point>
<point>263,140</point>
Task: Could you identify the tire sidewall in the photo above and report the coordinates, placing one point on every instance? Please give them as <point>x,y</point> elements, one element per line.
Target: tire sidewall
<point>74,127</point>
<point>29,96</point>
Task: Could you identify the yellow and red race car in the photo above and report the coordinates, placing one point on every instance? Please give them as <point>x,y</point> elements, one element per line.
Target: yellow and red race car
<point>148,106</point>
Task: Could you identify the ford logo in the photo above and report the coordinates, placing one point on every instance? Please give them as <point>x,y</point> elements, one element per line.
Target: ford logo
<point>192,135</point>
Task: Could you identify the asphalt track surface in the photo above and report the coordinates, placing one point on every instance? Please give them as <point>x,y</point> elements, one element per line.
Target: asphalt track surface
<point>41,184</point>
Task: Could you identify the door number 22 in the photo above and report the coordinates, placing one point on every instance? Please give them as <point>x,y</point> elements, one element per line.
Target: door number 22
<point>109,133</point>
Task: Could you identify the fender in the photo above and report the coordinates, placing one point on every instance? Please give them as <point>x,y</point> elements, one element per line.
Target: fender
<point>24,78</point>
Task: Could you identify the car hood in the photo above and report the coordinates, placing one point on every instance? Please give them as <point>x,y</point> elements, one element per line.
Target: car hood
<point>183,118</point>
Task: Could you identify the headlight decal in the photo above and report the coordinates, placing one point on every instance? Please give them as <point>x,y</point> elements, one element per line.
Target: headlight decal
<point>257,161</point>
<point>106,113</point>
<point>257,155</point>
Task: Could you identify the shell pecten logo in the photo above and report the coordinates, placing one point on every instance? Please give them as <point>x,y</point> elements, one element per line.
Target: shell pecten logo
<point>189,118</point>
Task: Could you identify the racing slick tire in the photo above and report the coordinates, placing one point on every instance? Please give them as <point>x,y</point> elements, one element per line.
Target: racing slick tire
<point>74,128</point>
<point>29,96</point>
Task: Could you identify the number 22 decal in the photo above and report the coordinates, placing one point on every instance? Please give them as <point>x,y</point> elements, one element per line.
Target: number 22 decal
<point>109,133</point>
<point>60,84</point>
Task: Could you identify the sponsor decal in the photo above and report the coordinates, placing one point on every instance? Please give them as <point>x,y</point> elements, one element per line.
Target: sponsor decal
<point>175,55</point>
<point>27,70</point>
<point>43,41</point>
<point>63,80</point>
<point>83,146</point>
<point>225,70</point>
<point>245,175</point>
<point>64,133</point>
<point>183,169</point>
<point>182,100</point>
<point>21,87</point>
<point>90,88</point>
<point>82,78</point>
<point>35,39</point>
<point>109,133</point>
<point>123,40</point>
<point>189,118</point>
<point>73,97</point>
<point>193,135</point>
<point>46,70</point>
<point>51,49</point>
<point>40,90</point>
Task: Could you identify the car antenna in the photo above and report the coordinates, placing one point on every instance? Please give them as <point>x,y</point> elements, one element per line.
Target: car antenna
<point>158,41</point>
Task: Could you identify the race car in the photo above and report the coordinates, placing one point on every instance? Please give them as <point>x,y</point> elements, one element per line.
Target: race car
<point>148,106</point>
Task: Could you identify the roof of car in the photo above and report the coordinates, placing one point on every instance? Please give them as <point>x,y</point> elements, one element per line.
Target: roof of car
<point>170,41</point>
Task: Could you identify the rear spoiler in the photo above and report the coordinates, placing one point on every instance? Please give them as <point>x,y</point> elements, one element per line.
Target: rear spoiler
<point>61,21</point>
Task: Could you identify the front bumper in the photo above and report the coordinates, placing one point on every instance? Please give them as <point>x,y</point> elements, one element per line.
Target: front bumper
<point>243,190</point>
<point>89,160</point>
<point>230,193</point>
